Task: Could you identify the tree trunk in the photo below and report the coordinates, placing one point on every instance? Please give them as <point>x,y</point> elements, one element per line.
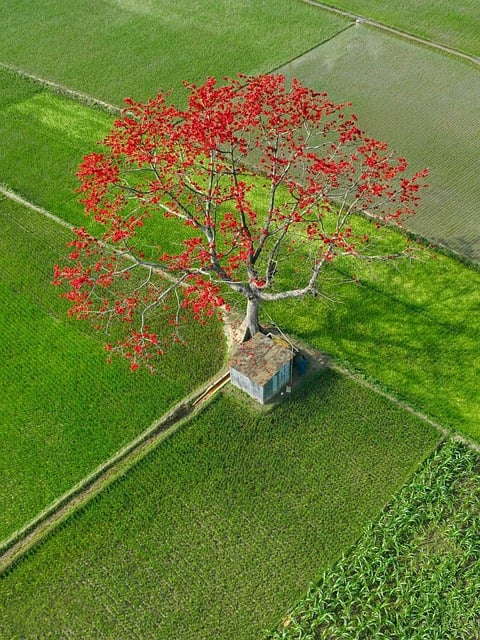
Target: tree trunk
<point>251,325</point>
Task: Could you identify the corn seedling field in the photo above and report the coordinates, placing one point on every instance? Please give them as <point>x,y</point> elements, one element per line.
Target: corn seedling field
<point>415,573</point>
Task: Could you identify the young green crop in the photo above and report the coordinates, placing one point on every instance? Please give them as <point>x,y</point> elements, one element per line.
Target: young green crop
<point>134,48</point>
<point>414,573</point>
<point>63,409</point>
<point>445,22</point>
<point>435,127</point>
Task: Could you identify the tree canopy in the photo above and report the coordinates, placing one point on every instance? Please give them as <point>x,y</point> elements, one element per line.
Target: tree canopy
<point>255,175</point>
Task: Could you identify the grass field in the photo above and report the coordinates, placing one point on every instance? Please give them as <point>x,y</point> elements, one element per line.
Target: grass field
<point>45,137</point>
<point>436,127</point>
<point>63,409</point>
<point>452,23</point>
<point>414,574</point>
<point>228,521</point>
<point>116,48</point>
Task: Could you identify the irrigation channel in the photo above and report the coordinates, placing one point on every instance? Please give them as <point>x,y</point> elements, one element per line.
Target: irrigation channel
<point>24,539</point>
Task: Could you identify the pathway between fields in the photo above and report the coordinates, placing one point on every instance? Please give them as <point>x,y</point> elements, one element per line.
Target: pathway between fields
<point>64,90</point>
<point>393,30</point>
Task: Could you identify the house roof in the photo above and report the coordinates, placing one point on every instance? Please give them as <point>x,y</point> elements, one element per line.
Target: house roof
<point>260,358</point>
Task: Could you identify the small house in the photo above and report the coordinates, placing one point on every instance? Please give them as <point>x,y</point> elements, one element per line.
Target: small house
<point>261,367</point>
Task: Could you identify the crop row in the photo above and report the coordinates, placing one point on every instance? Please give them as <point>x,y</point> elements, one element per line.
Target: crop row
<point>415,572</point>
<point>228,520</point>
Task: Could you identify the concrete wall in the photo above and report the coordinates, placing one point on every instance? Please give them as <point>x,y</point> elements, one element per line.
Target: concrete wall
<point>270,389</point>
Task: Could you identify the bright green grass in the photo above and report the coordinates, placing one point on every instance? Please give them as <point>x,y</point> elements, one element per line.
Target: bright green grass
<point>45,137</point>
<point>116,48</point>
<point>425,106</point>
<point>415,573</point>
<point>63,409</point>
<point>411,327</point>
<point>455,23</point>
<point>225,524</point>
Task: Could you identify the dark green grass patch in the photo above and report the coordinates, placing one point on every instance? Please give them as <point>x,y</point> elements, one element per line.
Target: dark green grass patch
<point>410,327</point>
<point>63,409</point>
<point>117,48</point>
<point>455,24</point>
<point>224,525</point>
<point>15,88</point>
<point>415,573</point>
<point>425,106</point>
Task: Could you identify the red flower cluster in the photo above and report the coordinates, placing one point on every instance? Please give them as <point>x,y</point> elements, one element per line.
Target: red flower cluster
<point>250,172</point>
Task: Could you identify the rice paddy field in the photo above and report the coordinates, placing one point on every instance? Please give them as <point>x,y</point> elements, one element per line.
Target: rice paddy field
<point>425,105</point>
<point>407,328</point>
<point>63,409</point>
<point>221,529</point>
<point>111,49</point>
<point>454,24</point>
<point>227,523</point>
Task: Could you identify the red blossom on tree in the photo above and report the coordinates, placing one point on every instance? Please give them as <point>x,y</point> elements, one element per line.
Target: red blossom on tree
<point>252,175</point>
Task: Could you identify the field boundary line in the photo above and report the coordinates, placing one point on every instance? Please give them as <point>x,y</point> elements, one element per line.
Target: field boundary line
<point>85,490</point>
<point>62,89</point>
<point>12,195</point>
<point>395,31</point>
<point>446,433</point>
<point>312,48</point>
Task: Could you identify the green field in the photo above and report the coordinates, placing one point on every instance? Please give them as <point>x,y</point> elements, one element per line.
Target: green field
<point>399,315</point>
<point>414,574</point>
<point>436,126</point>
<point>116,48</point>
<point>454,23</point>
<point>63,409</point>
<point>45,137</point>
<point>222,528</point>
<point>412,328</point>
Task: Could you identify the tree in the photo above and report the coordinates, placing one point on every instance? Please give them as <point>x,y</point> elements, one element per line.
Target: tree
<point>251,177</point>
